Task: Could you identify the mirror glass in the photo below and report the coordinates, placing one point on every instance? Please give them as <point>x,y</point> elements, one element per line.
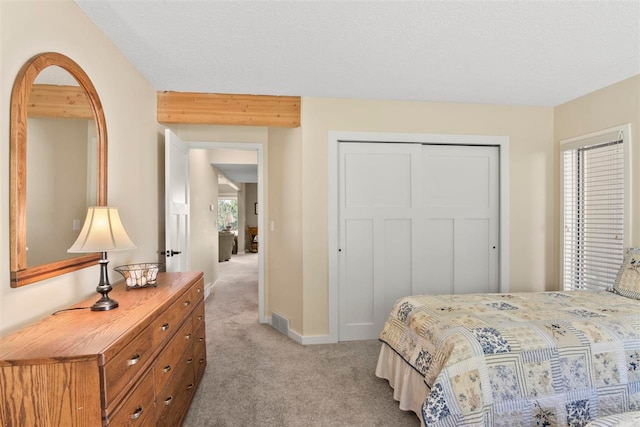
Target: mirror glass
<point>61,165</point>
<point>58,166</point>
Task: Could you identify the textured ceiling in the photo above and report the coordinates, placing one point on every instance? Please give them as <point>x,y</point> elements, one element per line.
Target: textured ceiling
<point>239,173</point>
<point>540,52</point>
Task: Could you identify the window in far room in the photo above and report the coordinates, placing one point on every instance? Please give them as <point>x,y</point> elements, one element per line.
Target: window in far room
<point>228,214</point>
<point>595,218</point>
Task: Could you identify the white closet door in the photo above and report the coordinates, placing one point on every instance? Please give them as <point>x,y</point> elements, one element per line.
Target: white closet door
<point>414,219</point>
<point>379,201</point>
<point>461,219</point>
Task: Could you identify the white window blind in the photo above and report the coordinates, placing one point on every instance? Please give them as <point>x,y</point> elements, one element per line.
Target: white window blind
<point>594,210</point>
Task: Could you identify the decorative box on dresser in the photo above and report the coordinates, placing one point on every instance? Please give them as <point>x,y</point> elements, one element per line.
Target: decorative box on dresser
<point>137,365</point>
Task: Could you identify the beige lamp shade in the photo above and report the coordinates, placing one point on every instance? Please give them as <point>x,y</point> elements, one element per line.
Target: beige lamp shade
<point>229,218</point>
<point>102,232</point>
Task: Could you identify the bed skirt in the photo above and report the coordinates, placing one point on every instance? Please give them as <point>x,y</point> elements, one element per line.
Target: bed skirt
<point>408,385</point>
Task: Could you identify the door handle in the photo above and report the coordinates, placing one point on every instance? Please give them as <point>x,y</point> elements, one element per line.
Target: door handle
<point>170,253</point>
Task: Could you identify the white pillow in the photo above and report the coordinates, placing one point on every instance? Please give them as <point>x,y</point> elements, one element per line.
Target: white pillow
<point>628,280</point>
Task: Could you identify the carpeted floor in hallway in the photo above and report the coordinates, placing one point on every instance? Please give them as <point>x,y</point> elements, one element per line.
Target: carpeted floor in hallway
<point>257,376</point>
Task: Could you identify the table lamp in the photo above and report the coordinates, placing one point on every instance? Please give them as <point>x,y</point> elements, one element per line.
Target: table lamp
<point>102,231</point>
<point>229,219</point>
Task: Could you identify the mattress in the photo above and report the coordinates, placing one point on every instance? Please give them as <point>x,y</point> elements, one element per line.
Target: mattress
<point>519,359</point>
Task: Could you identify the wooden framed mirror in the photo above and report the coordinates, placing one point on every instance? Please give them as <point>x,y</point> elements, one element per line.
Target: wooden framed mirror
<point>41,170</point>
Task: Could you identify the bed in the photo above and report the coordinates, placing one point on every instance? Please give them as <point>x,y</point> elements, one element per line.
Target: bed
<point>627,419</point>
<point>516,359</point>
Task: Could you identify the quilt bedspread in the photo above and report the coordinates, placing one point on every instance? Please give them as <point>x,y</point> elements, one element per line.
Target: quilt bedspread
<point>521,359</point>
<point>627,419</point>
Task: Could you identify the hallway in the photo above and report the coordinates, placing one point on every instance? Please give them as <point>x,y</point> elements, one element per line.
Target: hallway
<point>242,267</point>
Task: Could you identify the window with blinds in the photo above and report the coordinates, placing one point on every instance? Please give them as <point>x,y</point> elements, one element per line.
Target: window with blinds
<point>594,210</point>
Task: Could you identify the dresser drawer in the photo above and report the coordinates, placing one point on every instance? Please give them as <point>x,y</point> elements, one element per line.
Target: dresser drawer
<point>138,409</point>
<point>200,353</point>
<point>198,316</point>
<point>167,364</point>
<point>171,400</point>
<point>122,369</point>
<point>172,317</point>
<point>198,291</point>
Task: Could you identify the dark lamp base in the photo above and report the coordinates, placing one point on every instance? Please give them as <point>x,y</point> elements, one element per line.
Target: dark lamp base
<point>104,304</point>
<point>104,287</point>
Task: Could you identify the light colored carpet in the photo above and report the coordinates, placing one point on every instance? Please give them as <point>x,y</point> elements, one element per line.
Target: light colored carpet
<point>256,376</point>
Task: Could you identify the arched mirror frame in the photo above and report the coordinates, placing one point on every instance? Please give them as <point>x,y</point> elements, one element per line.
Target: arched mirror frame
<point>21,273</point>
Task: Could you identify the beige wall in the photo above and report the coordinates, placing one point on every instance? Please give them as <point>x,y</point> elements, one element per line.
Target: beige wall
<point>242,221</point>
<point>209,133</point>
<point>532,204</point>
<point>250,198</point>
<point>285,211</point>
<point>605,108</point>
<point>129,102</point>
<point>203,245</point>
<point>247,157</point>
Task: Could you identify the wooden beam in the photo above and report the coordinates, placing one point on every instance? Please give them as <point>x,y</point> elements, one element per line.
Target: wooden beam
<point>227,109</point>
<point>59,101</point>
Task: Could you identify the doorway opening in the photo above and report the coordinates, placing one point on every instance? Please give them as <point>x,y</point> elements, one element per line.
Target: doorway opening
<point>258,151</point>
<point>240,190</point>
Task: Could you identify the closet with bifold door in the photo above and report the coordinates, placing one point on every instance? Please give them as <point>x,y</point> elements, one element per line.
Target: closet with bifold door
<point>413,219</point>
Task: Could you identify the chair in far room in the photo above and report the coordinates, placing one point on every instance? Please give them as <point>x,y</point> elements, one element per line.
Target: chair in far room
<point>253,239</point>
<point>225,245</point>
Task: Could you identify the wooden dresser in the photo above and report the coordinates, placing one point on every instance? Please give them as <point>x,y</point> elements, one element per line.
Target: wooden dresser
<point>136,365</point>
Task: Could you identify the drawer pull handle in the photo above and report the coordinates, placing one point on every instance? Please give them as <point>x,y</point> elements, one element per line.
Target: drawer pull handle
<point>166,369</point>
<point>168,400</point>
<point>190,386</point>
<point>199,317</point>
<point>198,290</point>
<point>187,337</point>
<point>201,339</point>
<point>187,303</point>
<point>135,359</point>
<point>165,327</point>
<point>189,361</point>
<point>137,413</point>
<point>201,361</point>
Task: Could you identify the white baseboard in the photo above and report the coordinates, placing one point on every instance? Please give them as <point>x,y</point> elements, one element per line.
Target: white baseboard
<point>295,336</point>
<point>208,287</point>
<point>317,339</point>
<point>310,339</point>
<point>301,339</point>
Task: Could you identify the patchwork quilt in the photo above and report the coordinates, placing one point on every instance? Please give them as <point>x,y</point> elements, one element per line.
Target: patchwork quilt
<point>521,359</point>
<point>627,419</point>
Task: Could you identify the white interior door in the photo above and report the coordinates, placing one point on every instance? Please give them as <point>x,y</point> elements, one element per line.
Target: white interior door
<point>176,202</point>
<point>413,219</point>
